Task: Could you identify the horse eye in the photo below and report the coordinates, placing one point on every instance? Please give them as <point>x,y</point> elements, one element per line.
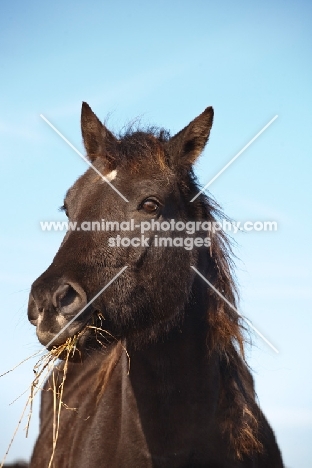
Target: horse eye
<point>150,206</point>
<point>64,208</point>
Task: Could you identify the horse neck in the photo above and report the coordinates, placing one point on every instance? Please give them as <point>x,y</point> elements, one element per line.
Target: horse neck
<point>175,385</point>
<point>179,363</point>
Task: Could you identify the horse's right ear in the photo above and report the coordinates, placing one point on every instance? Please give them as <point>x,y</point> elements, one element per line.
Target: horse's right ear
<point>185,147</point>
<point>98,140</point>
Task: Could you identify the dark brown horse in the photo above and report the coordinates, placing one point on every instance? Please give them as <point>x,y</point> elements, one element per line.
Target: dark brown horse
<point>20,464</point>
<point>164,383</point>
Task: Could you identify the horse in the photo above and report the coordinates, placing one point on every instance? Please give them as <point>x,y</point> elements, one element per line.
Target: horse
<point>18,464</point>
<point>158,377</point>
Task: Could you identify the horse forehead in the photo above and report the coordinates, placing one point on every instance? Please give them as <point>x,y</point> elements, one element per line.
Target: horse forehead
<point>143,176</point>
<point>147,180</point>
<point>111,175</point>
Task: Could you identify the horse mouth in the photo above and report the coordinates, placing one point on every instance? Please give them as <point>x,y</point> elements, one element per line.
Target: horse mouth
<point>77,336</point>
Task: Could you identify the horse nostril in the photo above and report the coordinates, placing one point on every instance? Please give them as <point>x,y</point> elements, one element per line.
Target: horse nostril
<point>69,298</point>
<point>66,295</point>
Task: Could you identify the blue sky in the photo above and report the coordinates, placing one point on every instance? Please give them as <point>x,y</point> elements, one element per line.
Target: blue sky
<point>165,62</point>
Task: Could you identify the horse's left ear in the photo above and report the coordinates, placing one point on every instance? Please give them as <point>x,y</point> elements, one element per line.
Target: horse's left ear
<point>98,140</point>
<point>185,147</point>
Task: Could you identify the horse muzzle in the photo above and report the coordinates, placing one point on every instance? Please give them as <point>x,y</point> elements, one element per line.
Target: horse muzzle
<point>58,311</point>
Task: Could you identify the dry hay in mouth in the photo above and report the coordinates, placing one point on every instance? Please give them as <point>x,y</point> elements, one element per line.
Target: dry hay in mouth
<point>44,368</point>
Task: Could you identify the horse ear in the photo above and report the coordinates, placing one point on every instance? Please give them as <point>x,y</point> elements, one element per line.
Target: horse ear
<point>98,140</point>
<point>185,147</point>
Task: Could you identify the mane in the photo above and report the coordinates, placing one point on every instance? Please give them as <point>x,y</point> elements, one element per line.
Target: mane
<point>227,338</point>
<point>137,144</point>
